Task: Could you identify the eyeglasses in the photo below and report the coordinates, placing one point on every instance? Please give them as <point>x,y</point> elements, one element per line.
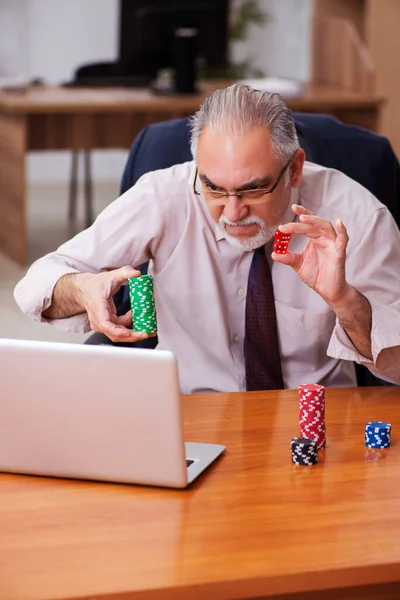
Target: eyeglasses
<point>249,197</point>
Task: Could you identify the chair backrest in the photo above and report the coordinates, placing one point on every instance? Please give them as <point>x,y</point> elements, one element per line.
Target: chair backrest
<point>362,155</point>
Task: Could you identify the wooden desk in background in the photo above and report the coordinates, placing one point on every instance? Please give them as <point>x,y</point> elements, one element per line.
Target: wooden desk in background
<point>57,118</point>
<point>253,526</point>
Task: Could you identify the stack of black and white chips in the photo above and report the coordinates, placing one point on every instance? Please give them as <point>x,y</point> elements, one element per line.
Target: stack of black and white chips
<point>304,451</point>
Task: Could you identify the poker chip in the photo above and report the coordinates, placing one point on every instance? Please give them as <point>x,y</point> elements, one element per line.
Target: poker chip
<point>312,413</point>
<point>281,242</point>
<point>304,451</point>
<point>141,294</point>
<point>378,434</point>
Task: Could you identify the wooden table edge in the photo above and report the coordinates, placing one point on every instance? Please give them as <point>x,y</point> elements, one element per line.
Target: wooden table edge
<point>264,587</point>
<point>11,104</point>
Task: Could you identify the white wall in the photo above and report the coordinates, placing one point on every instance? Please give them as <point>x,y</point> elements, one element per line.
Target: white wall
<point>50,38</point>
<point>65,34</point>
<point>14,49</point>
<point>62,36</point>
<point>281,47</point>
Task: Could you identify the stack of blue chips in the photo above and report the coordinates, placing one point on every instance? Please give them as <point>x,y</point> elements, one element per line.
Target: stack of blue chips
<point>377,434</point>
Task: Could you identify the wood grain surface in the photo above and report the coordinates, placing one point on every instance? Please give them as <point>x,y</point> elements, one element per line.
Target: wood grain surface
<point>47,99</point>
<point>253,526</point>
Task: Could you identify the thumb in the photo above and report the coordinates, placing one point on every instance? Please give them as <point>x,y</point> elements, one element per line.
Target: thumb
<point>124,273</point>
<point>291,259</point>
<point>342,238</point>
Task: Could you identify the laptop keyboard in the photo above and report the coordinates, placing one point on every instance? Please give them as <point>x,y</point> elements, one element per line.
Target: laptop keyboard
<point>189,462</point>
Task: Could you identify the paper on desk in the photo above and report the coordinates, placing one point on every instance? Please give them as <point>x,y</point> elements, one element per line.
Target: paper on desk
<point>288,88</point>
<point>15,82</point>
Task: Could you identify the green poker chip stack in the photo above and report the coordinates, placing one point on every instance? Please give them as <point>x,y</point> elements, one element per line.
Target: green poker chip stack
<point>141,293</point>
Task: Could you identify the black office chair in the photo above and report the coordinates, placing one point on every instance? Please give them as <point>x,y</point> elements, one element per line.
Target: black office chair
<point>364,156</point>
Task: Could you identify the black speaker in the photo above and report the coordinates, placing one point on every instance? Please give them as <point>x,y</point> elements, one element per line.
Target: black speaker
<point>185,54</point>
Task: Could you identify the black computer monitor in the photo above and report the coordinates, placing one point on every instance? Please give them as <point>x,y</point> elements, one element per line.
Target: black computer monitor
<point>147,29</point>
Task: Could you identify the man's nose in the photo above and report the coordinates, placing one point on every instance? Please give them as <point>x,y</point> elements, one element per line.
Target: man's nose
<point>235,209</point>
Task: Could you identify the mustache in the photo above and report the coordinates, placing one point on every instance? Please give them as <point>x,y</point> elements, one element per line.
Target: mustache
<point>246,221</point>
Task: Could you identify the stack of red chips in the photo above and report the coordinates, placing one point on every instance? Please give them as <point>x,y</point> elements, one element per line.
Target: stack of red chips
<point>312,413</point>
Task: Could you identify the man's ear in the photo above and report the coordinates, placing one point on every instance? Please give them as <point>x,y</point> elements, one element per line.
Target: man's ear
<point>296,168</point>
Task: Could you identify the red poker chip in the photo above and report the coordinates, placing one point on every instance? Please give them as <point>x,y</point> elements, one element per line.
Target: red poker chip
<point>311,386</point>
<point>311,390</point>
<point>312,426</point>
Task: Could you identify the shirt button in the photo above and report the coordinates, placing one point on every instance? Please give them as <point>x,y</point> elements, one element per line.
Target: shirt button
<point>236,339</point>
<point>240,292</point>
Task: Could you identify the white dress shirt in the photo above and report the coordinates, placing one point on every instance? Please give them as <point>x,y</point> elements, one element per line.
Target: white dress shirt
<point>200,280</point>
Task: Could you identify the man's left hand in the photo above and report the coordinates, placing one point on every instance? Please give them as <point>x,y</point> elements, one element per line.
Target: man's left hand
<point>321,265</point>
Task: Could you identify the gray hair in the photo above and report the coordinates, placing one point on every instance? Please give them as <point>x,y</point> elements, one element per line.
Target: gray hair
<point>238,109</point>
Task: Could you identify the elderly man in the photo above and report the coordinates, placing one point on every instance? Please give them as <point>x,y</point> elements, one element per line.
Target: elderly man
<point>236,314</point>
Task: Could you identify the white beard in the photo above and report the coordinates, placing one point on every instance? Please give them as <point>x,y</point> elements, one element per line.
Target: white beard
<point>265,233</point>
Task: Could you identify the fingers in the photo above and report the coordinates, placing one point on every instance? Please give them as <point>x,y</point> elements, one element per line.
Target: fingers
<point>318,229</point>
<point>127,335</point>
<point>119,333</point>
<point>300,210</point>
<point>291,259</point>
<point>125,319</point>
<point>104,321</point>
<point>101,309</point>
<point>311,226</point>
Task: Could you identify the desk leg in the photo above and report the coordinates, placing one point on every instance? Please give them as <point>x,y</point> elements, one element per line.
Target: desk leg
<point>13,231</point>
<point>88,189</point>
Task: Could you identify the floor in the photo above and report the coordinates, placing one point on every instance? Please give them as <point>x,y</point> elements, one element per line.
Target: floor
<point>48,228</point>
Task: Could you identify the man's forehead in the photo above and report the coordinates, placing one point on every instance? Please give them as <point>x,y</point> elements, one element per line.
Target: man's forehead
<point>226,151</point>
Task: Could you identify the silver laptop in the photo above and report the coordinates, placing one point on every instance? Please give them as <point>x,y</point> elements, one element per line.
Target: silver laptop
<point>95,412</point>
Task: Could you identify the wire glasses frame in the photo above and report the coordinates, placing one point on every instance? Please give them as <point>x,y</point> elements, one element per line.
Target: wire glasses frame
<point>255,196</point>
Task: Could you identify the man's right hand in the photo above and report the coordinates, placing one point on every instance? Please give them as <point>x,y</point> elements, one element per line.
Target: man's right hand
<point>97,293</point>
<point>93,293</point>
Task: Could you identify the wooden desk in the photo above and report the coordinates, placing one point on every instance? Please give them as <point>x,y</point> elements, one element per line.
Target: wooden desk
<point>253,526</point>
<point>56,118</point>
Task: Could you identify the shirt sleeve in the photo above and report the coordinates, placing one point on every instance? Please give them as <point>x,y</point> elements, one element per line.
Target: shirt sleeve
<point>127,232</point>
<point>372,267</point>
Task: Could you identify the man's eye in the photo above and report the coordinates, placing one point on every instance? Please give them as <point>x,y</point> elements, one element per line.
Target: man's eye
<point>212,187</point>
